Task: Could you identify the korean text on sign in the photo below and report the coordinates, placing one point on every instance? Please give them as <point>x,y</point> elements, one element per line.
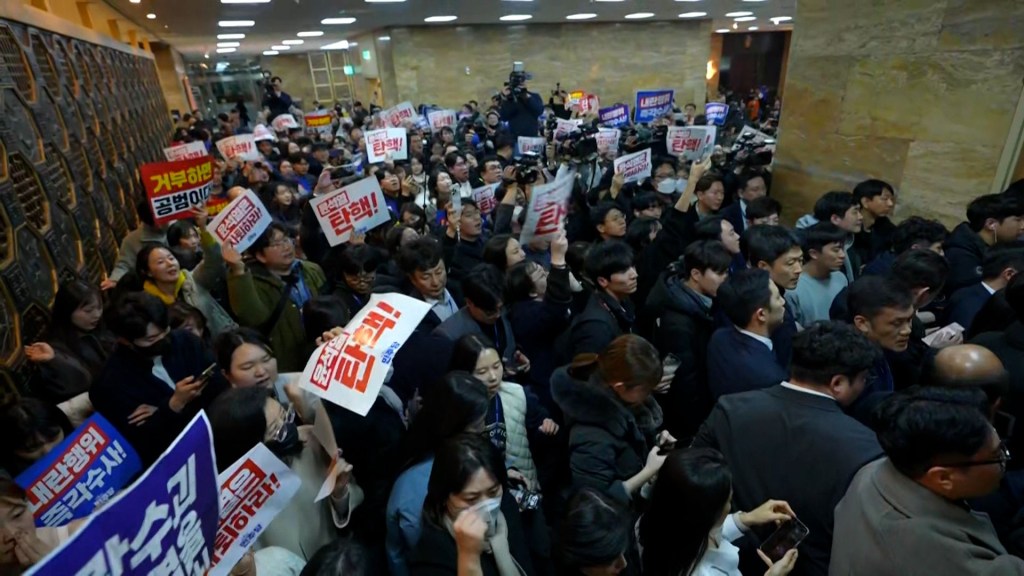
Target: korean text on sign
<point>82,472</point>
<point>319,121</point>
<point>565,127</point>
<point>653,104</point>
<point>614,116</point>
<point>164,524</point>
<point>359,206</point>
<point>528,144</point>
<point>283,122</point>
<point>589,103</point>
<point>608,140</point>
<point>253,491</point>
<point>394,117</point>
<point>382,143</point>
<point>350,369</point>
<point>186,151</point>
<point>548,208</point>
<point>635,167</point>
<point>716,113</point>
<point>174,187</point>
<point>690,142</point>
<point>485,199</point>
<point>440,119</point>
<point>241,147</point>
<point>242,222</point>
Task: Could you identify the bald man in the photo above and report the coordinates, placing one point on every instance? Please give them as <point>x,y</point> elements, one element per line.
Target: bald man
<point>970,365</point>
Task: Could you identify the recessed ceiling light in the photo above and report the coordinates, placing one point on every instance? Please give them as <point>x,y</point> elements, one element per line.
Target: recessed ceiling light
<point>310,34</point>
<point>136,1</point>
<point>230,36</point>
<point>723,30</point>
<point>384,38</point>
<point>293,42</point>
<point>244,1</point>
<point>440,18</point>
<point>745,19</point>
<point>151,16</point>
<point>778,19</point>
<point>345,20</point>
<point>282,47</point>
<point>515,17</point>
<point>738,14</point>
<point>585,16</point>
<point>639,15</point>
<point>228,44</point>
<point>236,23</point>
<point>693,14</point>
<point>341,45</point>
<point>270,52</point>
<point>752,28</point>
<point>225,50</point>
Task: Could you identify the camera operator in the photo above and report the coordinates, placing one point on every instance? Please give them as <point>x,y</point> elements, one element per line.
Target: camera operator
<point>520,108</point>
<point>275,100</point>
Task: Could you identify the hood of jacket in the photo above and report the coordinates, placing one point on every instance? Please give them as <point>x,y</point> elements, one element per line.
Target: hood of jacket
<point>671,294</point>
<point>592,403</point>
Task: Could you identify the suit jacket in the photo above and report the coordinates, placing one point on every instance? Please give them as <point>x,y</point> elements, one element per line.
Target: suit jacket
<point>1009,347</point>
<point>794,446</point>
<point>462,323</point>
<point>965,304</point>
<point>739,363</point>
<point>889,525</point>
<point>734,215</point>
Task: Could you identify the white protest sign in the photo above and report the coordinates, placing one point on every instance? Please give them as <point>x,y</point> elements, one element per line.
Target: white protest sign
<point>283,122</point>
<point>548,207</point>
<point>635,167</point>
<point>382,143</point>
<point>186,151</point>
<point>394,117</point>
<point>484,197</point>
<point>531,144</point>
<point>564,127</point>
<point>590,104</point>
<point>350,369</point>
<point>356,206</point>
<point>241,222</point>
<point>253,491</point>
<point>691,142</point>
<point>441,118</point>
<point>242,146</point>
<point>608,140</point>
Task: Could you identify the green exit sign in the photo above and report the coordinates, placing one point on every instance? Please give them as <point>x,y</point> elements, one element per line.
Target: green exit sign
<point>367,55</point>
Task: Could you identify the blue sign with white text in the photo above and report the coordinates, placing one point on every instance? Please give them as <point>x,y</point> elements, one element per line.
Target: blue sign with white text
<point>716,113</point>
<point>652,104</point>
<point>614,116</point>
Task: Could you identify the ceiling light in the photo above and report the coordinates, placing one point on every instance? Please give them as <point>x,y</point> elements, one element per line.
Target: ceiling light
<point>136,1</point>
<point>270,52</point>
<point>293,42</point>
<point>745,19</point>
<point>383,1</point>
<point>585,16</point>
<point>244,1</point>
<point>225,50</point>
<point>353,43</point>
<point>228,44</point>
<point>609,0</point>
<point>738,14</point>
<point>723,30</point>
<point>440,18</point>
<point>386,38</point>
<point>151,16</point>
<point>280,47</point>
<point>639,15</point>
<point>341,45</point>
<point>752,28</point>
<point>778,19</point>
<point>230,36</point>
<point>693,14</point>
<point>345,20</point>
<point>515,17</point>
<point>310,34</point>
<point>236,23</point>
<point>688,0</point>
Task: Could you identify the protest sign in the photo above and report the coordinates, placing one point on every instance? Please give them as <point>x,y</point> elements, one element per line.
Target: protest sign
<point>574,97</point>
<point>164,524</point>
<point>241,147</point>
<point>253,491</point>
<point>284,122</point>
<point>652,104</point>
<point>485,199</point>
<point>358,206</point>
<point>635,167</point>
<point>548,207</point>
<point>394,117</point>
<point>530,144</point>
<point>242,222</point>
<point>614,116</point>
<point>319,122</point>
<point>350,369</point>
<point>690,142</point>
<point>608,140</point>
<point>174,187</point>
<point>589,103</point>
<point>79,474</point>
<point>716,113</point>
<point>186,151</point>
<point>382,143</point>
<point>441,118</point>
<point>564,127</point>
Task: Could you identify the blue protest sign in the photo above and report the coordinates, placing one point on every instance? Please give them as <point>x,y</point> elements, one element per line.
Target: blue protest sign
<point>652,104</point>
<point>82,472</point>
<point>716,113</point>
<point>614,116</point>
<point>164,524</point>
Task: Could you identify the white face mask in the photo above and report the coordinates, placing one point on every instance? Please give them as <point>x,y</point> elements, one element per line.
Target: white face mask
<point>488,510</point>
<point>681,185</point>
<point>667,186</point>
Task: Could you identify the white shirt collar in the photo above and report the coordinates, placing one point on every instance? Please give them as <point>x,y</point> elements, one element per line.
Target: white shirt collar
<point>990,289</point>
<point>766,341</point>
<point>785,384</point>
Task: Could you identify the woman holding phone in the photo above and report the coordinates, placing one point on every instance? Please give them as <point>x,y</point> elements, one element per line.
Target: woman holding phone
<point>688,530</point>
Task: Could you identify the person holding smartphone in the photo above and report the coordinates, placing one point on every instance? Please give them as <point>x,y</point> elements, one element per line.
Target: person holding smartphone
<point>688,529</point>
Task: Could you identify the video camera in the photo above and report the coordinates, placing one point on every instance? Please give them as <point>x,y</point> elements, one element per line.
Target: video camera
<point>516,79</point>
<point>527,168</point>
<point>580,145</point>
<point>749,152</point>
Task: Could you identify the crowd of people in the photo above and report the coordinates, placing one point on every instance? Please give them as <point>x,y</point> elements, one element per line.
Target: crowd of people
<point>657,390</point>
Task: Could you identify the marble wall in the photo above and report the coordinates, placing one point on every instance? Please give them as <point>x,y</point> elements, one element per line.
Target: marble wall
<point>610,60</point>
<point>917,92</point>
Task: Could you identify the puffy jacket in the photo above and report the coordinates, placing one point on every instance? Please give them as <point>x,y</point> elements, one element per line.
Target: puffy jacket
<point>964,251</point>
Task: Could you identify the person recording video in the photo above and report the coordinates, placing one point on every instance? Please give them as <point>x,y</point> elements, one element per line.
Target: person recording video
<point>520,108</point>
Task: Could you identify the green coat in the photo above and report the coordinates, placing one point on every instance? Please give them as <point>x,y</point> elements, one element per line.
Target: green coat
<point>253,297</point>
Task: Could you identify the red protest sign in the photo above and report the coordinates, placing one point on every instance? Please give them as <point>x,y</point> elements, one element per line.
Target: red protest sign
<point>174,187</point>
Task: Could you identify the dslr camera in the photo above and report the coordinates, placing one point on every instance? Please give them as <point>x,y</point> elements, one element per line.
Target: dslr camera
<point>527,168</point>
<point>516,79</point>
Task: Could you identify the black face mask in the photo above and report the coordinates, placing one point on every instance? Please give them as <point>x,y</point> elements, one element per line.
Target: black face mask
<point>154,350</point>
<point>291,443</point>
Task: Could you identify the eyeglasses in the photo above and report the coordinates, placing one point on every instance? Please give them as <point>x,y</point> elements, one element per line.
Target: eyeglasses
<point>280,242</point>
<point>280,433</point>
<point>1004,457</point>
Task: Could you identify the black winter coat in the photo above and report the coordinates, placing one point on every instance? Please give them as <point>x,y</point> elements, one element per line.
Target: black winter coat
<point>965,251</point>
<point>603,320</point>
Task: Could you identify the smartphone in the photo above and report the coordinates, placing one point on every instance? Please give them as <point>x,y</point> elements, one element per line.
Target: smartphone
<point>787,537</point>
<point>208,373</point>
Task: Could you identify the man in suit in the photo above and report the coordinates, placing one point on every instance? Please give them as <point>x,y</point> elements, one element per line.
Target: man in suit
<point>997,269</point>
<point>793,442</point>
<point>751,186</point>
<point>740,356</point>
<point>905,514</point>
<point>777,250</point>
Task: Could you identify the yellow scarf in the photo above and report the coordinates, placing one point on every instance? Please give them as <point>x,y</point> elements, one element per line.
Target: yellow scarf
<point>151,288</point>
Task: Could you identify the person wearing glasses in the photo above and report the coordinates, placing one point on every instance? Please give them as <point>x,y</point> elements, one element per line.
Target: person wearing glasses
<point>907,513</point>
<point>268,294</point>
